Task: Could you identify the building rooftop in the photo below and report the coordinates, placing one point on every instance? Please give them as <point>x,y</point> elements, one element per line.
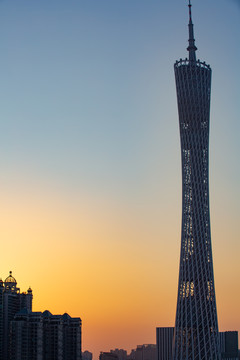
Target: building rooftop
<point>10,279</point>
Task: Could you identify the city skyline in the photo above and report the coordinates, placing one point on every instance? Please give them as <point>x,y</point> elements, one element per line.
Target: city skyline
<point>88,117</point>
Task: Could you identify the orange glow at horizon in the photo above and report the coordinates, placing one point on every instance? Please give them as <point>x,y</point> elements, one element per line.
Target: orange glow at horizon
<point>113,266</point>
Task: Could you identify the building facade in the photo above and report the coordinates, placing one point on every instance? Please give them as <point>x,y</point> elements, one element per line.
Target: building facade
<point>121,353</point>
<point>108,356</point>
<point>164,342</point>
<point>87,355</point>
<point>43,336</point>
<point>196,327</point>
<point>229,345</point>
<point>11,302</point>
<point>27,335</point>
<point>146,352</point>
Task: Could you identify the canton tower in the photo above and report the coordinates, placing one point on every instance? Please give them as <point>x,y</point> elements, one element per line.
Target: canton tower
<point>196,327</point>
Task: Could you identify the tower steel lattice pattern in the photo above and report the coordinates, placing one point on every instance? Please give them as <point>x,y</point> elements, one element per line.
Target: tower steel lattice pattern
<point>196,327</point>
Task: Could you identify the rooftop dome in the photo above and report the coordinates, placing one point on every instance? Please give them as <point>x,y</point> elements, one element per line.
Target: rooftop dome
<point>10,278</point>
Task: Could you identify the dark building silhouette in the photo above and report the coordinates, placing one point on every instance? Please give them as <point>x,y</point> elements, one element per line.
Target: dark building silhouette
<point>108,356</point>
<point>229,345</point>
<point>27,335</point>
<point>87,355</point>
<point>121,353</point>
<point>11,302</point>
<point>43,336</point>
<point>132,355</point>
<point>164,342</point>
<point>146,352</point>
<point>196,327</point>
<point>142,352</point>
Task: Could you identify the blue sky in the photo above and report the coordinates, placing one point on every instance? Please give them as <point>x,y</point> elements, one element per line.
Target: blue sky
<point>82,78</point>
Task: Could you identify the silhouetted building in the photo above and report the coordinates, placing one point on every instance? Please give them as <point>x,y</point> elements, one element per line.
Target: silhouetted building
<point>121,353</point>
<point>87,355</point>
<point>146,352</point>
<point>108,356</point>
<point>11,301</point>
<point>43,336</point>
<point>164,342</point>
<point>196,327</point>
<point>229,345</point>
<point>132,355</point>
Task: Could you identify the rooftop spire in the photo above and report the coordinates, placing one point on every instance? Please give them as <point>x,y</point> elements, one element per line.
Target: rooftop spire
<point>191,48</point>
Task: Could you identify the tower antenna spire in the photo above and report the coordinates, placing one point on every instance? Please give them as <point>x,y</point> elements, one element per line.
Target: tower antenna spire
<point>191,48</point>
<point>190,11</point>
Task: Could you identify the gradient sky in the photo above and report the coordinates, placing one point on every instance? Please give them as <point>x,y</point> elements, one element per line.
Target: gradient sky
<point>90,159</point>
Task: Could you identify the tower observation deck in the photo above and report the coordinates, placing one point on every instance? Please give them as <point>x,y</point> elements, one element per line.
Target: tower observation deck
<point>196,326</point>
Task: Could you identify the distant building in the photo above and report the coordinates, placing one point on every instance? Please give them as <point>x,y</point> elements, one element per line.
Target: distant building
<point>87,355</point>
<point>164,342</point>
<point>108,356</point>
<point>146,352</point>
<point>121,353</point>
<point>11,302</point>
<point>143,352</point>
<point>229,345</point>
<point>132,355</point>
<point>43,336</point>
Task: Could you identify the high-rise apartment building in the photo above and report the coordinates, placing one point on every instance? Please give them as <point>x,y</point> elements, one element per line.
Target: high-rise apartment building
<point>229,345</point>
<point>27,335</point>
<point>164,342</point>
<point>11,301</point>
<point>196,327</point>
<point>43,336</point>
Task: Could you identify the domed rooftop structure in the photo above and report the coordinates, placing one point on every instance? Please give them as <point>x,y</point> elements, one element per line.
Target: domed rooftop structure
<point>10,279</point>
<point>10,284</point>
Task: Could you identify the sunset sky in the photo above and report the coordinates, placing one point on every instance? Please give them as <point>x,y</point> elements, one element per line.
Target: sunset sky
<point>90,159</point>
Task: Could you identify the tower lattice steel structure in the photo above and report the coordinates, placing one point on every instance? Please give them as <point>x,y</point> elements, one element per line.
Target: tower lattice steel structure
<point>196,327</point>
